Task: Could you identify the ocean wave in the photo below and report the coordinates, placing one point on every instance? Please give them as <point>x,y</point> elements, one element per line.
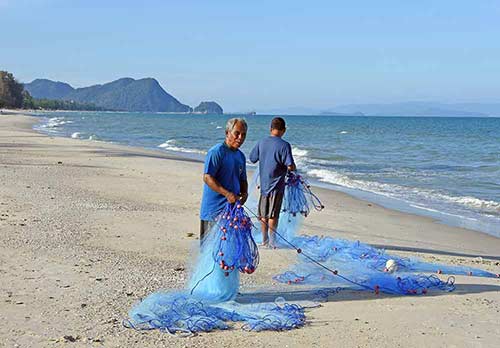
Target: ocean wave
<point>488,206</point>
<point>304,161</point>
<point>333,178</point>
<point>55,122</point>
<point>300,157</point>
<point>340,160</point>
<point>299,152</point>
<point>171,145</point>
<point>76,135</point>
<point>407,193</point>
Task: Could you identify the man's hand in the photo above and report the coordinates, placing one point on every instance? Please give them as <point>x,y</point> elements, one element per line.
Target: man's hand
<point>243,197</point>
<point>231,197</point>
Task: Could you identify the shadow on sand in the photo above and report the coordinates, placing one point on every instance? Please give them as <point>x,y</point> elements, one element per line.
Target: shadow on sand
<point>433,251</point>
<point>350,294</point>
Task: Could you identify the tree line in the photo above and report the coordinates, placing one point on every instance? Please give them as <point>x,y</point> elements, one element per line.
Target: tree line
<point>14,96</point>
<point>11,91</point>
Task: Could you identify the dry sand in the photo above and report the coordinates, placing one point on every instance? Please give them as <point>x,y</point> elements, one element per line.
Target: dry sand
<point>87,229</point>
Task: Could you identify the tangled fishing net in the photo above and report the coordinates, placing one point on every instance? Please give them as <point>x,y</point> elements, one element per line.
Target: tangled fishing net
<point>298,202</point>
<point>206,305</point>
<point>324,264</point>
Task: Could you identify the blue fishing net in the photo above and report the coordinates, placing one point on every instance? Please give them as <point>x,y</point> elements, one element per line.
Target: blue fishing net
<point>206,305</point>
<point>298,202</point>
<point>299,199</point>
<point>323,264</point>
<point>228,249</point>
<point>181,313</point>
<point>324,260</point>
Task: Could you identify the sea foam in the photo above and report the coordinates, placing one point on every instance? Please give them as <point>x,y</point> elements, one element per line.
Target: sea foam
<point>171,145</point>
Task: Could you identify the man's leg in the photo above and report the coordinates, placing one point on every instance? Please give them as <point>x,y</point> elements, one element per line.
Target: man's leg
<point>274,214</point>
<point>264,228</point>
<point>273,226</point>
<point>263,213</point>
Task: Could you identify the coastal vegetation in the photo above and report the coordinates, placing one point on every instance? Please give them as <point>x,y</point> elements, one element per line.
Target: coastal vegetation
<point>13,95</point>
<point>11,91</point>
<point>50,104</point>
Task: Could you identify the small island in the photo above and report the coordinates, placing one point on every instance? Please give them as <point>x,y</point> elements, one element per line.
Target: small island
<point>209,107</point>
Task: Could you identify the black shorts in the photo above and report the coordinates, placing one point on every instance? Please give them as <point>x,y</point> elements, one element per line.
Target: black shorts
<point>205,227</point>
<point>270,205</point>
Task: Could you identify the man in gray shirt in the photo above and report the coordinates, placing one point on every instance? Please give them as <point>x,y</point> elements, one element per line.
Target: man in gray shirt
<point>275,159</point>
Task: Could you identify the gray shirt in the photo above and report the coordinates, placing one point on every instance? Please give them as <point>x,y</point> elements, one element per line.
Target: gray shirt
<point>274,156</point>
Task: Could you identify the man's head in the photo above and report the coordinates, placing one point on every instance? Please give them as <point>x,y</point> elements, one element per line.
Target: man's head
<point>236,132</point>
<point>278,126</point>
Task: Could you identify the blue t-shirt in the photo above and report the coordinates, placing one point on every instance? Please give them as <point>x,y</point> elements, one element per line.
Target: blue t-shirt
<point>274,155</point>
<point>228,167</point>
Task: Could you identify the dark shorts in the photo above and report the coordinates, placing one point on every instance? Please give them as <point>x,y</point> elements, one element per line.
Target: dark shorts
<point>205,227</point>
<point>270,205</point>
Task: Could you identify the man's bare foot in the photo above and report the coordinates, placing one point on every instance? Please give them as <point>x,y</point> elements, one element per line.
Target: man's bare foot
<point>272,242</point>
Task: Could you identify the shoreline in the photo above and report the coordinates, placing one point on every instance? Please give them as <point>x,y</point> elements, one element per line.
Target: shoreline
<point>90,228</point>
<point>324,191</point>
<point>393,203</point>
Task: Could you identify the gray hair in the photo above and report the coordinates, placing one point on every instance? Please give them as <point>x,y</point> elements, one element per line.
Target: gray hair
<point>232,122</point>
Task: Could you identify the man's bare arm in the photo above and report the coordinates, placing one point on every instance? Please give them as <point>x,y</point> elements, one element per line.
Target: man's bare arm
<point>292,167</point>
<point>217,187</point>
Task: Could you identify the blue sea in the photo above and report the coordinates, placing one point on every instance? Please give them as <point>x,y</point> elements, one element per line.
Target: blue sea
<point>444,167</point>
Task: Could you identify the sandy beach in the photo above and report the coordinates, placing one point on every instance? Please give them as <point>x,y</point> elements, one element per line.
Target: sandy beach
<point>87,229</point>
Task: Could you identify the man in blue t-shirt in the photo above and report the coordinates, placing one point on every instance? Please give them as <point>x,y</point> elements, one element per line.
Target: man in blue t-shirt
<point>275,159</point>
<point>225,175</point>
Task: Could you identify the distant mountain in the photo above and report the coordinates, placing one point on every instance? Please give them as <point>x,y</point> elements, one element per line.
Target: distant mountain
<point>125,94</point>
<point>47,89</point>
<point>492,109</point>
<point>418,109</point>
<point>291,110</point>
<point>331,113</point>
<point>209,108</point>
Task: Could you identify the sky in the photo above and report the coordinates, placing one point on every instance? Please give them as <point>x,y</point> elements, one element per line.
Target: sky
<point>262,55</point>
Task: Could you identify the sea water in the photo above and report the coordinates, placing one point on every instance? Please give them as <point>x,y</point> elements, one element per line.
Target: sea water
<point>444,167</point>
